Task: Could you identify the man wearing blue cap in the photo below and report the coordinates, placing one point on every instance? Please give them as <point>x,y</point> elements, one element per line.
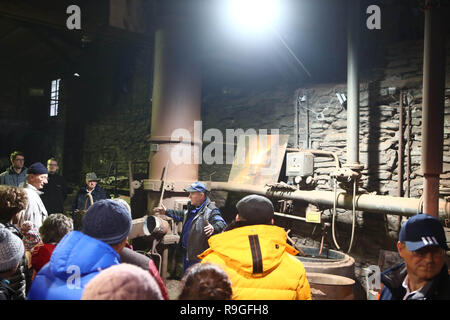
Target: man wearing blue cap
<point>201,220</point>
<point>36,179</point>
<point>424,274</point>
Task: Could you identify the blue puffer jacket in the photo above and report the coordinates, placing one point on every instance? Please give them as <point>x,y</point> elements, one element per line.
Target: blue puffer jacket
<point>74,262</point>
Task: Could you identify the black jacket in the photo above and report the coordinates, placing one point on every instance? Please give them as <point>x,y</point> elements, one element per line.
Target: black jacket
<point>6,293</point>
<point>394,277</point>
<point>55,192</point>
<point>97,194</point>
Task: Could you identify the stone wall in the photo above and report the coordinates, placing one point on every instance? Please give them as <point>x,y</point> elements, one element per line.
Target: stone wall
<point>119,128</point>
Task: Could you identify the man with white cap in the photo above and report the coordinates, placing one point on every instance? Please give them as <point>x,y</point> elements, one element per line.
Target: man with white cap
<point>424,274</point>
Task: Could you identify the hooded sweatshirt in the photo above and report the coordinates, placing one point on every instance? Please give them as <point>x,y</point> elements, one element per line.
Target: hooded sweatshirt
<point>259,263</point>
<point>75,261</point>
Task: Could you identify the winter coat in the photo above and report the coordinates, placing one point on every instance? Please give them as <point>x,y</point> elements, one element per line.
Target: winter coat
<point>393,289</point>
<point>54,193</point>
<point>11,178</point>
<point>20,281</point>
<point>35,210</point>
<point>75,261</point>
<point>197,241</point>
<point>97,194</point>
<point>259,263</point>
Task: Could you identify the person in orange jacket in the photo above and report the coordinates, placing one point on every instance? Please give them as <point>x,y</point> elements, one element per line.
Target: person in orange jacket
<point>255,255</point>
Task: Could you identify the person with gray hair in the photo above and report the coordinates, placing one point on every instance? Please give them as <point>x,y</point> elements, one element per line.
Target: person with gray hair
<point>53,229</point>
<point>11,254</point>
<point>80,256</point>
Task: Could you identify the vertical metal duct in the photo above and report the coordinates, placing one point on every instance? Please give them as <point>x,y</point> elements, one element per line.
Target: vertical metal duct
<point>433,107</point>
<point>176,101</point>
<point>352,83</point>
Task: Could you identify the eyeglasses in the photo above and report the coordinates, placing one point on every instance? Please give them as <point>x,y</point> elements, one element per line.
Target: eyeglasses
<point>19,159</point>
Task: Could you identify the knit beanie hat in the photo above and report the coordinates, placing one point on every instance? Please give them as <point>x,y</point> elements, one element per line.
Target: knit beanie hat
<point>37,168</point>
<point>122,282</point>
<point>255,209</point>
<point>11,250</point>
<point>31,235</point>
<point>108,221</point>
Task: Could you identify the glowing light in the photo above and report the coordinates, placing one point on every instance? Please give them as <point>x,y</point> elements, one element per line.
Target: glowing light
<point>253,14</point>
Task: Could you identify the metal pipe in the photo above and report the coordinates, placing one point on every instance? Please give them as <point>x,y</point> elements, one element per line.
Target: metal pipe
<point>363,202</point>
<point>176,100</point>
<point>400,146</point>
<point>290,216</point>
<point>400,154</point>
<point>408,151</point>
<point>352,82</point>
<point>433,106</point>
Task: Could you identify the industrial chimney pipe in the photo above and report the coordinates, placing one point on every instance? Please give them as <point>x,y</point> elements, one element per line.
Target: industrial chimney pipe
<point>433,106</point>
<point>176,100</point>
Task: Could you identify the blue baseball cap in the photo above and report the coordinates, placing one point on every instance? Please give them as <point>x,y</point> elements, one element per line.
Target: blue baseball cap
<point>422,230</point>
<point>196,186</point>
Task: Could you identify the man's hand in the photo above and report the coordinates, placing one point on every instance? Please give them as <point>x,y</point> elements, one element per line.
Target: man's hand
<point>160,210</point>
<point>208,229</point>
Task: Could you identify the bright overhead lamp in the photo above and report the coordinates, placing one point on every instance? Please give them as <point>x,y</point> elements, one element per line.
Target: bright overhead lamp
<point>253,14</point>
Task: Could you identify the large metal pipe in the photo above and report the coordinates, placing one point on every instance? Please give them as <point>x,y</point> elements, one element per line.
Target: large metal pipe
<point>176,100</point>
<point>364,202</point>
<point>433,107</point>
<point>352,83</point>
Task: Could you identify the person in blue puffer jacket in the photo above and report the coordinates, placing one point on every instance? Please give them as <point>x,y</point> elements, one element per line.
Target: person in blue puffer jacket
<point>80,256</point>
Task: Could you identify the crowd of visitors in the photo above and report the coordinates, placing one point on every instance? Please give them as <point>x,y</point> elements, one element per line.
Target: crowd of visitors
<point>42,257</point>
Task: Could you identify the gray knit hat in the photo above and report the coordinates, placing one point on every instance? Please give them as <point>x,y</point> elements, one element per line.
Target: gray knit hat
<point>108,221</point>
<point>11,250</point>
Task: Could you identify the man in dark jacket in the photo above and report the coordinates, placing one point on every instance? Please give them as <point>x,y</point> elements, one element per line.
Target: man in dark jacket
<point>16,175</point>
<point>201,220</point>
<point>55,191</point>
<point>93,189</point>
<point>424,274</point>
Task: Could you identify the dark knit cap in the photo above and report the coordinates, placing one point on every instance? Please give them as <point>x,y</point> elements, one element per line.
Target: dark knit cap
<point>255,209</point>
<point>37,168</point>
<point>108,221</point>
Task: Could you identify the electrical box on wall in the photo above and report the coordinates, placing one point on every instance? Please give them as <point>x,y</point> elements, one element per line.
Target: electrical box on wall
<point>299,164</point>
